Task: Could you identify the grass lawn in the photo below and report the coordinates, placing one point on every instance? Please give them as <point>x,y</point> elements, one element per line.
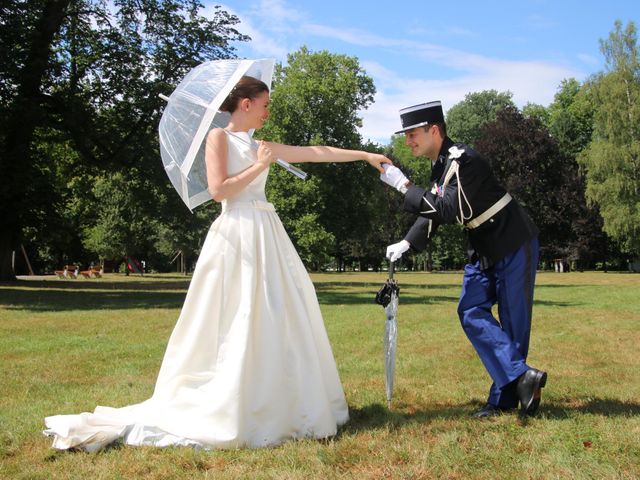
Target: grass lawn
<point>69,345</point>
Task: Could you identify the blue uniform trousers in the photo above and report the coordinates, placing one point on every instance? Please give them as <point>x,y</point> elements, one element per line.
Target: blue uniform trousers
<point>502,345</point>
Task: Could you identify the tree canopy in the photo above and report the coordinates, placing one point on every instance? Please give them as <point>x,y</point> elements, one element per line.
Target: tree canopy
<point>612,159</point>
<point>316,100</point>
<point>465,119</point>
<point>80,91</point>
<point>83,181</point>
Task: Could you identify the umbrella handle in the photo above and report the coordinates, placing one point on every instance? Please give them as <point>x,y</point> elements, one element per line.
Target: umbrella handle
<point>392,267</point>
<point>286,165</point>
<point>290,168</point>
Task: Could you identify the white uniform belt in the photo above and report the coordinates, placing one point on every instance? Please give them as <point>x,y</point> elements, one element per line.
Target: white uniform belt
<point>257,204</point>
<point>489,212</point>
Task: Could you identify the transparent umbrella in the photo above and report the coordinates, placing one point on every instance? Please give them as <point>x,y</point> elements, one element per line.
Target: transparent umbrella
<point>191,111</point>
<point>387,296</point>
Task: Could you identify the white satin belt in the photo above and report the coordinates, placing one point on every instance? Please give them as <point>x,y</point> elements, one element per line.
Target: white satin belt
<point>257,204</point>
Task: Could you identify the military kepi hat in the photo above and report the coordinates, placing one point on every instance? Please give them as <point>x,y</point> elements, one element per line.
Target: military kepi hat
<point>420,115</point>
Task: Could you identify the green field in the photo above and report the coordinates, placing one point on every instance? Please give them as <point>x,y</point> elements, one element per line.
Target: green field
<point>69,345</point>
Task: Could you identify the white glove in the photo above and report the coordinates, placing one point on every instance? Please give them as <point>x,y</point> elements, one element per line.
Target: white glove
<point>394,177</point>
<point>395,251</point>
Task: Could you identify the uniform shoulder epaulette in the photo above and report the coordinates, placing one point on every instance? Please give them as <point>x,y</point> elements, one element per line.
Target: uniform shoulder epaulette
<point>456,151</point>
<point>460,152</point>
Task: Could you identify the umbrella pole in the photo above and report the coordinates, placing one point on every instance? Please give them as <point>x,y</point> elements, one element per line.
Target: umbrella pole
<point>391,325</point>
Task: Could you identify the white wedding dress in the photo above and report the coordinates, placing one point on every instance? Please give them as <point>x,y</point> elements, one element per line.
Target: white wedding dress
<point>249,362</point>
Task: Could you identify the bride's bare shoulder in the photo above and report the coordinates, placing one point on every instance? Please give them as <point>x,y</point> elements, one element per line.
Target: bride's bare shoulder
<point>216,136</point>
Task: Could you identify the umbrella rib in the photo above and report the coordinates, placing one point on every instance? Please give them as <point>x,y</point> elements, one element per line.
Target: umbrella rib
<point>191,111</point>
<point>211,110</point>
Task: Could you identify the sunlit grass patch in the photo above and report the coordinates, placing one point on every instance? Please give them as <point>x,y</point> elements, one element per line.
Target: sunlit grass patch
<point>66,346</point>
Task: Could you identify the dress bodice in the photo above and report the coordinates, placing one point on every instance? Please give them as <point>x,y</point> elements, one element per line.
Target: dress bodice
<point>242,153</point>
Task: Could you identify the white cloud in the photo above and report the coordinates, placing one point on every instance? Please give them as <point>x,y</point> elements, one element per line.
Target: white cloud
<point>351,36</point>
<point>436,71</point>
<point>534,82</point>
<point>589,60</point>
<point>262,43</point>
<point>277,15</point>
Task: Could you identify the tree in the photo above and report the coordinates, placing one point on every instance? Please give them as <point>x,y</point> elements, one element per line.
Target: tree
<point>315,100</point>
<point>537,111</point>
<point>465,119</point>
<point>570,118</point>
<point>27,38</point>
<point>570,121</point>
<point>87,74</point>
<point>612,159</point>
<point>119,226</point>
<point>529,164</point>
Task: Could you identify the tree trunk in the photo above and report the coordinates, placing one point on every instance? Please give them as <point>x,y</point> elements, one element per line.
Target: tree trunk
<point>6,267</point>
<point>23,118</point>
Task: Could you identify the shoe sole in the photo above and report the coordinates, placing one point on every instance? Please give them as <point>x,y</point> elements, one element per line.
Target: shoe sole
<point>532,407</point>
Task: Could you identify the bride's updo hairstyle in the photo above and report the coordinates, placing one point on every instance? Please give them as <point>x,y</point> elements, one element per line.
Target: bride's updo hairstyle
<point>247,87</point>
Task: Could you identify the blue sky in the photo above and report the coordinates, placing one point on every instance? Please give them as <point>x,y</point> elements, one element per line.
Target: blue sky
<point>418,51</point>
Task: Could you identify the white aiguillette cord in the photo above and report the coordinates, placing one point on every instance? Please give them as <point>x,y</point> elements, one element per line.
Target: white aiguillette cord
<point>286,165</point>
<point>453,170</point>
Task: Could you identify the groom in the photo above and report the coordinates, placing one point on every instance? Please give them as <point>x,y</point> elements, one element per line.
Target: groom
<point>502,249</point>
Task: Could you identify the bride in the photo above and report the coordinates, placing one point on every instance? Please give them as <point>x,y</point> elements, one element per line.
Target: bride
<point>249,362</point>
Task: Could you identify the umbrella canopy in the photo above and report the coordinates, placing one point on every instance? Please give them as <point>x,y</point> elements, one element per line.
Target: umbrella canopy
<point>388,298</point>
<point>191,111</point>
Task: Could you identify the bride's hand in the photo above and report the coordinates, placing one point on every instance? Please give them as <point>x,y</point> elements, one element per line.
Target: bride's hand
<point>376,160</point>
<point>265,155</point>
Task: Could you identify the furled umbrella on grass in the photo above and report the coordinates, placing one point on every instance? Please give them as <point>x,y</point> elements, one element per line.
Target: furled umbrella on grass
<point>387,296</point>
<point>191,111</point>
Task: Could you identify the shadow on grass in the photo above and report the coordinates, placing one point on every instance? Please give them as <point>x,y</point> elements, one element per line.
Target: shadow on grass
<point>606,407</point>
<point>99,284</point>
<point>54,299</point>
<point>377,285</point>
<point>69,295</point>
<point>377,416</point>
<point>367,298</point>
<point>334,297</point>
<point>149,293</point>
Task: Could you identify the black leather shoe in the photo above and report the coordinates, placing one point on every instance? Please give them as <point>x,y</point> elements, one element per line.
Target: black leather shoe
<point>529,390</point>
<point>489,410</point>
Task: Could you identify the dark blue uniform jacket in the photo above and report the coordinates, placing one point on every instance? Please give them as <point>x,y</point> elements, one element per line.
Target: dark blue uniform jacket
<point>500,235</point>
